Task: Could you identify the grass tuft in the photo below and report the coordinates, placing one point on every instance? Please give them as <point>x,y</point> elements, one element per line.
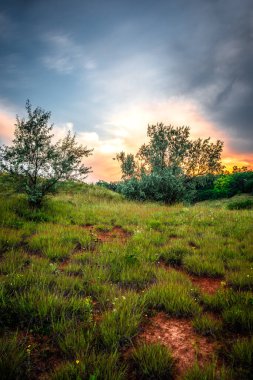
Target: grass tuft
<point>153,361</point>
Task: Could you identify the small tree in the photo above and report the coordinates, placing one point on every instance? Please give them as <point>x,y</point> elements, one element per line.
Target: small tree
<point>171,148</point>
<point>36,164</point>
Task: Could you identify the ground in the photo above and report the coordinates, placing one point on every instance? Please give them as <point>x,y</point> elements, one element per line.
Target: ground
<point>92,285</point>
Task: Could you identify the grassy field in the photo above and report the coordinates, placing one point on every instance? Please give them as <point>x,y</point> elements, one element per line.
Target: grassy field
<point>97,287</point>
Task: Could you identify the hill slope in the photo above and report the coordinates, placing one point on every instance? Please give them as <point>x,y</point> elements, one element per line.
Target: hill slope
<point>96,287</point>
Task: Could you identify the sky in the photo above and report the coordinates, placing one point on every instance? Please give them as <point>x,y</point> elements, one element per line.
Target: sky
<point>108,68</point>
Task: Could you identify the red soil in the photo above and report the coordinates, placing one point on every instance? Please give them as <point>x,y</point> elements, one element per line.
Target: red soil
<point>178,335</point>
<point>206,284</point>
<point>116,233</point>
<point>44,354</point>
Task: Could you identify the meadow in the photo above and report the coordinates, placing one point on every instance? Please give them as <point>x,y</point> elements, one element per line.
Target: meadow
<point>100,288</point>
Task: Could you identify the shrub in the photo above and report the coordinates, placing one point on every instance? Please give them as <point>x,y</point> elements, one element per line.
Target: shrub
<point>162,186</point>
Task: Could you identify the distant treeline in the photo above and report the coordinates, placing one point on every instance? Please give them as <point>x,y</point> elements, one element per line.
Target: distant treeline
<point>166,189</point>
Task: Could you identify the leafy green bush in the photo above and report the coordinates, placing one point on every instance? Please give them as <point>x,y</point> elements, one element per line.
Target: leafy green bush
<point>163,186</point>
<point>223,186</point>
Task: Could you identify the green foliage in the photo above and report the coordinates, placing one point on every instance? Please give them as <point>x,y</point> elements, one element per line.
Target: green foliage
<point>153,361</point>
<point>34,163</point>
<point>171,148</point>
<point>223,186</point>
<point>162,186</point>
<point>163,170</point>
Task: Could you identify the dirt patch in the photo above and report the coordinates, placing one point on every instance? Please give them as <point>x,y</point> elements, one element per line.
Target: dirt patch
<point>178,335</point>
<point>105,236</point>
<point>44,355</point>
<point>206,284</point>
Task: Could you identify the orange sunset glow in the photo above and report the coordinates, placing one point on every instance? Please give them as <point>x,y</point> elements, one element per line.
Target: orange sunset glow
<point>126,131</point>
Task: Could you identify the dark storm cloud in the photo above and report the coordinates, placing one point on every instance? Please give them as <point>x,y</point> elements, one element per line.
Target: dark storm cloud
<point>215,63</point>
<point>75,57</point>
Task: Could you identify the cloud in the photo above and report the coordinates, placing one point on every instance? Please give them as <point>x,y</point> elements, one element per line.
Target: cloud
<point>126,129</point>
<point>65,56</point>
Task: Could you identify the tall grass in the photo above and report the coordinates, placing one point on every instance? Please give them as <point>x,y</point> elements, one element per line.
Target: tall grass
<point>88,298</point>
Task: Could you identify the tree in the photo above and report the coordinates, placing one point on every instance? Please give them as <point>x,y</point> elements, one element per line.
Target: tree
<point>171,148</point>
<point>170,166</point>
<point>36,164</point>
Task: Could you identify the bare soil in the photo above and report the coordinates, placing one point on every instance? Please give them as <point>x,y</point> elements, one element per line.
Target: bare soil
<point>206,284</point>
<point>178,335</point>
<point>116,233</point>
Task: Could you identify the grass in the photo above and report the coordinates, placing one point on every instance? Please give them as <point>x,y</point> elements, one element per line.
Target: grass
<point>240,205</point>
<point>207,326</point>
<point>209,372</point>
<point>174,299</point>
<point>153,361</point>
<point>102,366</point>
<point>120,324</point>
<point>89,298</point>
<point>241,356</point>
<point>14,358</point>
